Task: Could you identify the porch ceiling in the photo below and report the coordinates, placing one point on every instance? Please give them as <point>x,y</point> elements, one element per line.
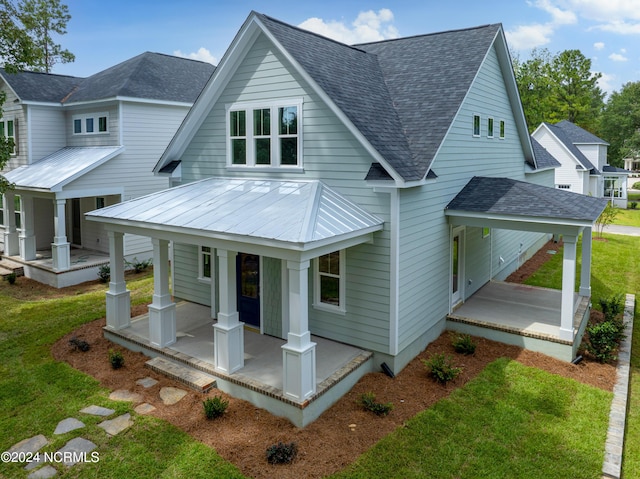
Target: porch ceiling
<point>510,204</point>
<point>294,215</point>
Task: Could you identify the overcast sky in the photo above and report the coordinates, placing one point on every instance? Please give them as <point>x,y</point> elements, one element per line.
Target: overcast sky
<point>104,33</point>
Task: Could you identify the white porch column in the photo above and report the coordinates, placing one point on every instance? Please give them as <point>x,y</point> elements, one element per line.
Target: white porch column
<point>11,243</point>
<point>27,235</point>
<point>299,353</point>
<point>585,271</point>
<point>60,248</point>
<point>162,310</point>
<point>568,287</point>
<point>228,332</point>
<point>118,296</point>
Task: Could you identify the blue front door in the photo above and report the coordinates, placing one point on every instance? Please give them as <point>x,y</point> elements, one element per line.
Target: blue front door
<point>248,278</point>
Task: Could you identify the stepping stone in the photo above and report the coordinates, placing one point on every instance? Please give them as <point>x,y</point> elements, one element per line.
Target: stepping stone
<point>146,382</point>
<point>78,446</point>
<point>43,473</point>
<point>144,408</point>
<point>116,425</point>
<point>171,395</point>
<point>31,444</point>
<point>67,425</point>
<point>125,395</point>
<point>97,411</point>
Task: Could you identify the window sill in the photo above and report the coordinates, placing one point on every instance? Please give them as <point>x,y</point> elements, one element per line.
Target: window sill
<point>266,169</point>
<point>203,280</point>
<point>329,309</point>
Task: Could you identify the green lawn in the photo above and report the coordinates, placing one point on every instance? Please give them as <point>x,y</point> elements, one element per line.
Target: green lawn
<point>628,217</point>
<point>512,421</point>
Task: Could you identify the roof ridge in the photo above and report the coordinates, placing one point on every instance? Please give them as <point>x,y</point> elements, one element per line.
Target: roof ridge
<point>431,34</point>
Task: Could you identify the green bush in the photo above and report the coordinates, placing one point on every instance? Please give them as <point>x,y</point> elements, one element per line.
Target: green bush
<point>603,340</point>
<point>636,186</point>
<point>612,306</point>
<point>464,344</point>
<point>282,453</point>
<point>138,266</point>
<point>104,273</point>
<point>441,368</point>
<point>633,205</point>
<point>11,278</point>
<point>214,407</point>
<point>368,401</point>
<point>116,359</point>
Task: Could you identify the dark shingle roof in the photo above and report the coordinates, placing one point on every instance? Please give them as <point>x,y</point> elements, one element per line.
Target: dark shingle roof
<point>614,169</point>
<point>412,87</point>
<point>544,159</point>
<point>579,135</point>
<point>41,87</point>
<point>561,134</point>
<point>152,76</point>
<point>505,196</point>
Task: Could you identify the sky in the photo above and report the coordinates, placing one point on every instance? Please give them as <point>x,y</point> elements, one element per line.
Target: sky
<point>104,33</point>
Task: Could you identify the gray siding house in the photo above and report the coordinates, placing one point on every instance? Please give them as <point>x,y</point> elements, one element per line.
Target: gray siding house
<point>346,201</point>
<point>82,144</point>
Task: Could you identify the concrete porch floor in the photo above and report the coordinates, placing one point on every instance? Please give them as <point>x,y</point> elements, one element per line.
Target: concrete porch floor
<point>523,315</point>
<point>263,370</point>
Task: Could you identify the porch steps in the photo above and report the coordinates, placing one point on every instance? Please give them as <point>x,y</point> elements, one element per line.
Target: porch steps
<point>7,267</point>
<point>196,380</point>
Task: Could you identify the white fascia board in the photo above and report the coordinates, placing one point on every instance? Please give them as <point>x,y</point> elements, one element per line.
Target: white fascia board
<point>129,100</point>
<point>520,223</point>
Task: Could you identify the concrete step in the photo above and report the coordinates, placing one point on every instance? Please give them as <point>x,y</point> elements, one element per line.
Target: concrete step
<point>197,380</point>
<point>7,267</point>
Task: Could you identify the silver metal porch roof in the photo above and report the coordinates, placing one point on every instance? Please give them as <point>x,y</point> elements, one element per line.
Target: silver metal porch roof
<point>58,169</point>
<point>281,210</point>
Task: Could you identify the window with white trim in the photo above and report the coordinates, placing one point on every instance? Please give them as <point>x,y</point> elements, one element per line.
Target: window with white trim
<point>265,134</point>
<point>489,127</point>
<point>330,281</point>
<point>91,124</point>
<point>205,263</point>
<point>8,131</point>
<point>476,125</point>
<point>502,128</point>
<point>17,205</point>
<point>563,187</point>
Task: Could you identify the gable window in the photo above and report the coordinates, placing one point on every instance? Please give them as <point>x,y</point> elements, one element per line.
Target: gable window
<point>476,125</point>
<point>502,129</point>
<point>8,131</point>
<point>264,134</point>
<point>204,270</point>
<point>489,127</point>
<point>99,202</point>
<point>86,124</point>
<point>330,282</point>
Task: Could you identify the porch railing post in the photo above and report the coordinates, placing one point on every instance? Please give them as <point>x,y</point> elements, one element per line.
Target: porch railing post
<point>299,353</point>
<point>118,296</point>
<point>228,332</point>
<point>162,311</point>
<point>568,287</point>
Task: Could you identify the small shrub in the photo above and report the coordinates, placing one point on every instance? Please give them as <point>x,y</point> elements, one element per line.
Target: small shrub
<point>282,453</point>
<point>368,401</point>
<point>603,341</point>
<point>612,307</point>
<point>104,273</point>
<point>633,205</point>
<point>441,368</point>
<point>138,266</point>
<point>636,186</point>
<point>78,344</point>
<point>463,344</point>
<point>11,278</point>
<point>116,359</point>
<point>214,407</point>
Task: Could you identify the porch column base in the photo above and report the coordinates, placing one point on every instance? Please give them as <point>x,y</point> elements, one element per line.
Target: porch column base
<point>11,243</point>
<point>228,346</point>
<point>118,310</point>
<point>61,255</point>
<point>162,325</point>
<point>566,334</point>
<point>28,247</point>
<point>299,369</point>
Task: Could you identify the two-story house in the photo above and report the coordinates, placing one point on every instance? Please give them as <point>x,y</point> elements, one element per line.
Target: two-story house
<point>82,144</point>
<point>338,207</point>
<point>583,162</point>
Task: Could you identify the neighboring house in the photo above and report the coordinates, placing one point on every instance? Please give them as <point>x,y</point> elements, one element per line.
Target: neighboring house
<point>583,162</point>
<point>334,197</point>
<point>82,144</point>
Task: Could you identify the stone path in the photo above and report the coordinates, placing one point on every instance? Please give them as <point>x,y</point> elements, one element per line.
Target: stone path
<point>78,449</point>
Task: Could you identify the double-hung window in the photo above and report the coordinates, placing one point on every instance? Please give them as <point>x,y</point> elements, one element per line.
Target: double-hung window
<point>205,264</point>
<point>265,134</point>
<point>330,282</point>
<point>8,131</point>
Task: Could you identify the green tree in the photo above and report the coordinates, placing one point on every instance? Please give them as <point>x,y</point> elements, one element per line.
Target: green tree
<point>620,123</point>
<point>42,18</point>
<point>559,87</point>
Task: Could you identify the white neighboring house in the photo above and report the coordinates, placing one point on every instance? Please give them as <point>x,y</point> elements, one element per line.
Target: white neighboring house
<point>82,144</point>
<point>583,160</point>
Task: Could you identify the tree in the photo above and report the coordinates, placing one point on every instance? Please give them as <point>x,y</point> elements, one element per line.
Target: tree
<point>620,123</point>
<point>559,87</point>
<point>41,18</point>
<point>607,217</point>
